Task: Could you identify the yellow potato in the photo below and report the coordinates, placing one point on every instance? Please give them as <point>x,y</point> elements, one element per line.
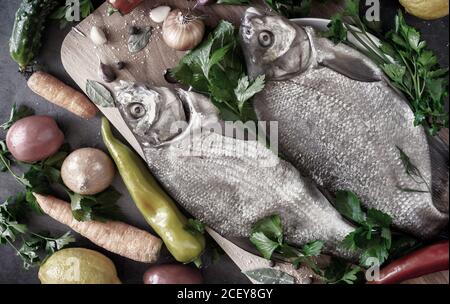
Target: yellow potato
<point>78,266</point>
<point>426,9</point>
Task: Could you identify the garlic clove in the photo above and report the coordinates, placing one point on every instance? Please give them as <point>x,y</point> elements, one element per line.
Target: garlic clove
<point>159,14</point>
<point>97,36</point>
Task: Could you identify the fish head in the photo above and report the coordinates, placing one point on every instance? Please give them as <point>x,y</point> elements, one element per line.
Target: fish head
<point>273,45</point>
<point>151,113</point>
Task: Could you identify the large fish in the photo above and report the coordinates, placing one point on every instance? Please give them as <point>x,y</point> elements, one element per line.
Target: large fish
<point>340,122</point>
<point>226,183</point>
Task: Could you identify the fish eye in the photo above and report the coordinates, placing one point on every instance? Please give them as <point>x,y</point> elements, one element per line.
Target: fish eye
<point>265,38</point>
<point>136,110</point>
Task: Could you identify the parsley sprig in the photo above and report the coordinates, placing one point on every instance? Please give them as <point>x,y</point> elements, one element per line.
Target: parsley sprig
<point>17,112</point>
<point>195,226</point>
<point>214,68</point>
<point>372,239</point>
<point>33,247</point>
<point>405,59</point>
<point>373,236</point>
<point>292,8</point>
<point>267,236</point>
<point>63,12</point>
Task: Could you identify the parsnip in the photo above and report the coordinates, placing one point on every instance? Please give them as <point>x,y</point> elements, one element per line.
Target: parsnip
<point>117,237</point>
<point>60,94</point>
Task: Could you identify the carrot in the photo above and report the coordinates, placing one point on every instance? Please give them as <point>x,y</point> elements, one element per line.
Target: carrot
<point>60,94</point>
<point>117,237</point>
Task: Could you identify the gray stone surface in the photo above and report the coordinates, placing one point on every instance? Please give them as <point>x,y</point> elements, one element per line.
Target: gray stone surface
<point>81,133</point>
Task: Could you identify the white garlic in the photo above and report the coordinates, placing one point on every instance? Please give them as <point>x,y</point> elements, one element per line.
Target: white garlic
<point>159,14</point>
<point>97,35</point>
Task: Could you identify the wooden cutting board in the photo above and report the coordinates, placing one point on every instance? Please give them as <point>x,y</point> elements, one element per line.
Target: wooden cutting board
<point>81,57</point>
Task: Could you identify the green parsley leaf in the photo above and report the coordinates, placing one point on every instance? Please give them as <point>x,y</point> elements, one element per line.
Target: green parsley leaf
<point>62,13</point>
<point>100,207</point>
<point>373,237</point>
<point>17,113</point>
<point>195,226</point>
<point>246,89</point>
<point>410,66</point>
<point>214,68</point>
<point>395,71</point>
<point>271,227</point>
<point>337,31</point>
<point>264,245</point>
<point>378,218</point>
<point>347,203</point>
<point>313,248</point>
<point>351,7</point>
<point>33,245</point>
<point>339,271</point>
<point>56,244</point>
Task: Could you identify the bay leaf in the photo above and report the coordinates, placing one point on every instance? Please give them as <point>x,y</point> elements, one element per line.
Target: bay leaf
<point>99,94</point>
<point>270,276</point>
<point>138,41</point>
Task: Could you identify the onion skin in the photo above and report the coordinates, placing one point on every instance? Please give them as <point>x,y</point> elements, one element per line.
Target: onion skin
<point>172,274</point>
<point>34,138</point>
<point>87,171</point>
<point>181,34</point>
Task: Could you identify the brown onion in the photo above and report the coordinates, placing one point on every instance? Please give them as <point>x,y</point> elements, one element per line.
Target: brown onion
<point>182,31</point>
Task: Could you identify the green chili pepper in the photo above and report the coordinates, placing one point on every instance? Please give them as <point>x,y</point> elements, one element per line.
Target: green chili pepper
<point>156,206</point>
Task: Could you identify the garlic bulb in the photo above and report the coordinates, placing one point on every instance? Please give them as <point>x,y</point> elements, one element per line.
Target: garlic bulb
<point>182,31</point>
<point>98,37</point>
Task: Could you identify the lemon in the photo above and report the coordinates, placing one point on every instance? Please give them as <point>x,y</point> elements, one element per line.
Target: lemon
<point>78,266</point>
<point>426,9</point>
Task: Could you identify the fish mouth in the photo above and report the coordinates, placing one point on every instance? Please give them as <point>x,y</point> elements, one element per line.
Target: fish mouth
<point>249,14</point>
<point>245,37</point>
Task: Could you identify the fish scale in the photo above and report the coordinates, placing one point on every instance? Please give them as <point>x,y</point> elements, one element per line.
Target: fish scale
<point>227,183</point>
<point>343,134</point>
<point>236,201</point>
<point>340,122</point>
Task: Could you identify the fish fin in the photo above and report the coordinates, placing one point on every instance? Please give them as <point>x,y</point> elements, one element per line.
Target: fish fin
<point>346,61</point>
<point>354,68</point>
<point>440,176</point>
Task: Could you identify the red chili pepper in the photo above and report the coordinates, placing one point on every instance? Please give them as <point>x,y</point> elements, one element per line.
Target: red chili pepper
<point>125,6</point>
<point>424,261</point>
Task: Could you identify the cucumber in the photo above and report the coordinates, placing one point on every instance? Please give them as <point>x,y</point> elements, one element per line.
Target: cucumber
<point>29,23</point>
